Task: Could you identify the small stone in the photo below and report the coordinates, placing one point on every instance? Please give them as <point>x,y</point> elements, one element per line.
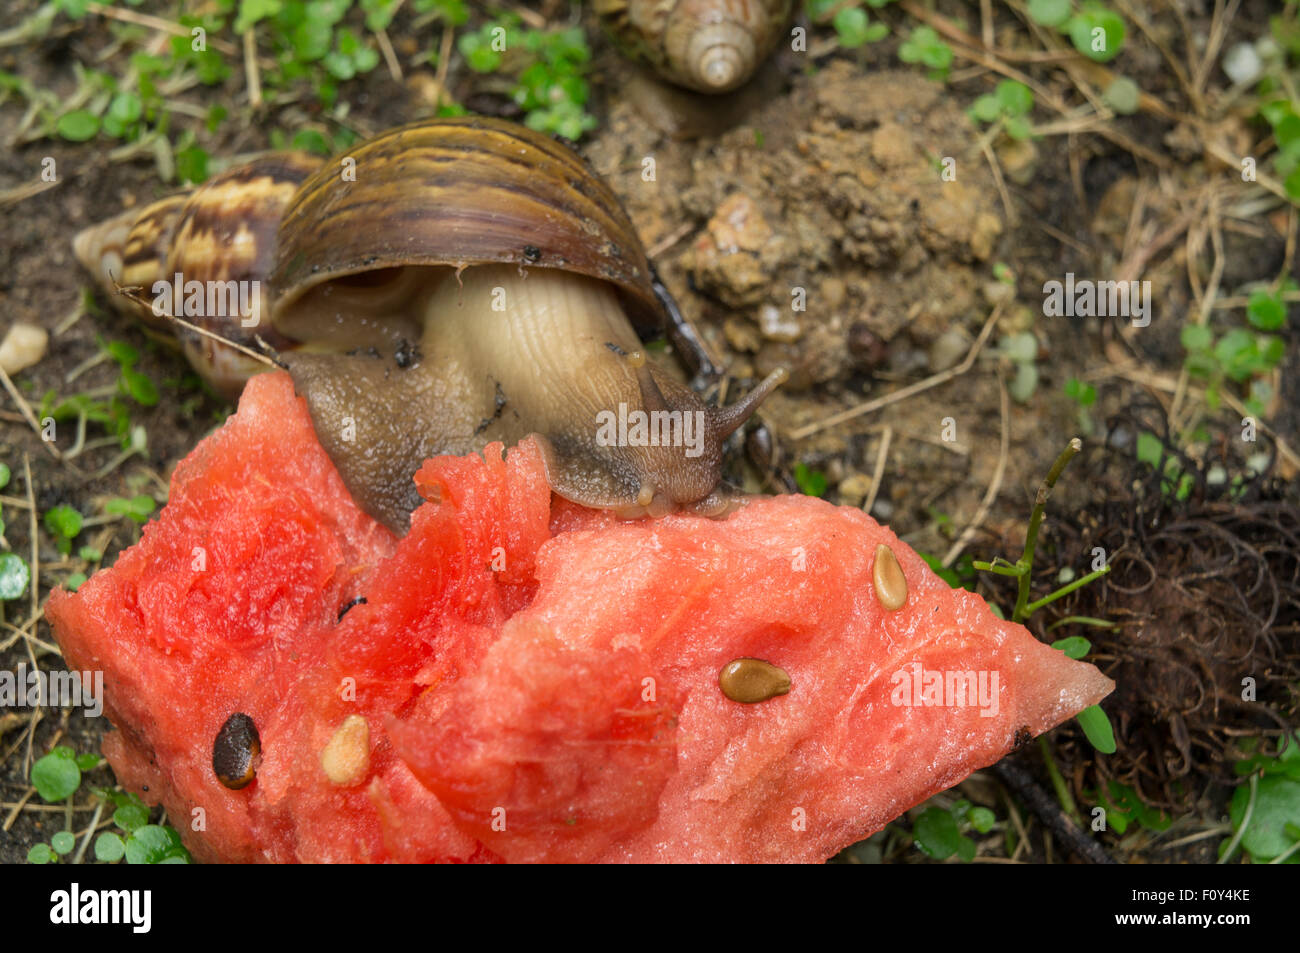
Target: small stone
<point>987,228</point>
<point>778,325</point>
<point>1242,64</point>
<point>854,489</point>
<point>741,335</point>
<point>948,349</point>
<point>833,293</point>
<point>22,347</point>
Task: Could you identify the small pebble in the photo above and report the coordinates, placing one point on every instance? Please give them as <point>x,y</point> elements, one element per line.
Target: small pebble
<point>22,347</point>
<point>778,325</point>
<point>890,583</point>
<point>751,680</point>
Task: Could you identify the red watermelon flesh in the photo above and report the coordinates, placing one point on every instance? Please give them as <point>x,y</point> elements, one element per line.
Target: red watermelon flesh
<point>539,681</point>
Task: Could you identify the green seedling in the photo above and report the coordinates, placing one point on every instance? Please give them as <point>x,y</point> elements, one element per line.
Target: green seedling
<point>1125,807</point>
<point>1175,484</point>
<point>1084,395</point>
<point>58,776</point>
<point>63,523</point>
<point>810,482</point>
<point>1240,355</point>
<point>960,575</point>
<point>1095,30</point>
<point>852,24</point>
<point>941,834</point>
<point>1021,350</point>
<point>1008,107</point>
<point>138,508</point>
<point>925,47</point>
<point>1265,811</point>
<point>1092,719</point>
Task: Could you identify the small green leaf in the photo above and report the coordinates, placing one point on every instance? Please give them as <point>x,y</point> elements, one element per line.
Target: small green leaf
<point>126,107</point>
<point>1024,384</point>
<point>1018,128</point>
<point>1196,337</point>
<point>1123,96</point>
<point>14,576</point>
<point>63,521</point>
<point>311,140</point>
<point>810,482</point>
<point>139,387</point>
<point>56,776</point>
<point>1265,311</point>
<point>77,126</point>
<point>121,352</point>
<point>851,26</point>
<point>1076,646</point>
<point>1016,98</point>
<point>252,12</point>
<point>1096,726</point>
<point>982,819</point>
<point>1081,392</point>
<point>986,108</point>
<point>1150,450</point>
<point>90,554</point>
<point>1097,33</point>
<point>63,842</point>
<point>1049,12</point>
<point>936,833</point>
<point>1277,805</point>
<point>148,845</point>
<point>88,761</point>
<point>4,475</point>
<point>41,854</point>
<point>137,508</point>
<point>192,165</point>
<point>109,848</point>
<point>129,817</point>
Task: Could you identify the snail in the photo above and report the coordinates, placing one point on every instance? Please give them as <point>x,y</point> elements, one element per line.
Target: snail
<point>711,46</point>
<point>446,284</point>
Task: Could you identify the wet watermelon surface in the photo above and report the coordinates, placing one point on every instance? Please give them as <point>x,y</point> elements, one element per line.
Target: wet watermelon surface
<point>527,680</point>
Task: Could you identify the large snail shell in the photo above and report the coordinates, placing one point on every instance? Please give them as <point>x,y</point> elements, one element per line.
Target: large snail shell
<point>223,231</point>
<point>711,46</point>
<point>453,192</point>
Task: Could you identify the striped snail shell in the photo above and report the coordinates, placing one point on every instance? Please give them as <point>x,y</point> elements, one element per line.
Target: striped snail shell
<point>711,46</point>
<point>444,285</point>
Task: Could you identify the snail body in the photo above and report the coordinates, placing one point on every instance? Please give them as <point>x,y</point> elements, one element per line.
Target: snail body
<point>712,46</point>
<point>447,284</point>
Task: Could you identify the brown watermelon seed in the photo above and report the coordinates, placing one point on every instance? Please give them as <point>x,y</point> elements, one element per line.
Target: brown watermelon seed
<point>346,758</point>
<point>887,574</point>
<point>750,680</point>
<point>235,751</point>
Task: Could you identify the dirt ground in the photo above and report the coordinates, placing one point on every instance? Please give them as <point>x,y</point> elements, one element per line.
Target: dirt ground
<point>823,184</point>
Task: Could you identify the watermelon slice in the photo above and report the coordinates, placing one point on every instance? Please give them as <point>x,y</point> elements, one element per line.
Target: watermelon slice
<point>527,680</point>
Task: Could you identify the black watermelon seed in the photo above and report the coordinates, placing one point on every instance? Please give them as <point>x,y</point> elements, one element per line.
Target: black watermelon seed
<point>358,601</point>
<point>235,751</point>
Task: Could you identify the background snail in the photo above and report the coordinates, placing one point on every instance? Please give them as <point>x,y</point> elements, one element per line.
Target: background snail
<point>708,45</point>
<point>457,282</point>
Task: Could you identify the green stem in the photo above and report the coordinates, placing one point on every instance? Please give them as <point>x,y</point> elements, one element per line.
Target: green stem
<point>1064,590</point>
<point>1000,570</point>
<point>1058,783</point>
<point>1083,620</point>
<point>1031,538</point>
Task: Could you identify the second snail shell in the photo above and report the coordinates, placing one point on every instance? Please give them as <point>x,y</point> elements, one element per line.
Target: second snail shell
<point>712,46</point>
